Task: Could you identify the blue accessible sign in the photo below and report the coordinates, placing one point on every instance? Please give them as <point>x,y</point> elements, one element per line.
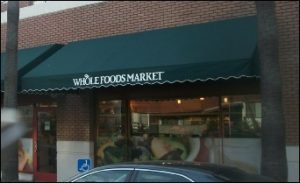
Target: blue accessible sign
<point>83,165</point>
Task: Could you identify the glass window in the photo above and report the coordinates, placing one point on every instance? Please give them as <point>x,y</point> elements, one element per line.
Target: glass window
<point>175,117</point>
<point>111,144</point>
<point>173,129</point>
<point>241,116</point>
<point>149,176</point>
<point>25,144</point>
<point>106,176</point>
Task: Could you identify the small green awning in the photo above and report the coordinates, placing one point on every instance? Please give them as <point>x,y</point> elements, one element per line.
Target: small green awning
<point>208,51</point>
<point>28,59</point>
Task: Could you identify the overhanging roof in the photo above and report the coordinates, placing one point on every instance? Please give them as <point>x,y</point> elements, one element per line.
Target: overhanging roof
<point>28,59</point>
<point>208,51</point>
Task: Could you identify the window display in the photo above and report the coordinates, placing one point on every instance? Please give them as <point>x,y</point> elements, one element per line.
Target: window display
<point>205,129</point>
<point>172,130</point>
<point>111,142</point>
<point>25,144</point>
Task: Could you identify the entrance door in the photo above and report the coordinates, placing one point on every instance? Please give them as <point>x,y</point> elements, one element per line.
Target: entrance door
<point>45,145</point>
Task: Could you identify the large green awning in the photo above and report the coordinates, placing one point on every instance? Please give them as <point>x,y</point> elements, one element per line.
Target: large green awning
<point>208,51</point>
<point>28,59</point>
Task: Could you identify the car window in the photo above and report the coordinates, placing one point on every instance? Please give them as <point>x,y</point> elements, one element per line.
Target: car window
<point>155,176</point>
<point>106,176</point>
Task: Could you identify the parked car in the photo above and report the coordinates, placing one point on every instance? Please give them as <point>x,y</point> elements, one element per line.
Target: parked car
<point>167,171</point>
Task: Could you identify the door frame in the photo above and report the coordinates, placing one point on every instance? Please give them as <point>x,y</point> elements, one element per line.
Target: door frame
<point>40,176</point>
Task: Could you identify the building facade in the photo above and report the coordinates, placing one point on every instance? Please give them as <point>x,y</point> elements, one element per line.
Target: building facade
<point>215,120</point>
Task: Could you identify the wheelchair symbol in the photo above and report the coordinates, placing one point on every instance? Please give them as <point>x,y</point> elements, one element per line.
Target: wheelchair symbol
<point>84,167</point>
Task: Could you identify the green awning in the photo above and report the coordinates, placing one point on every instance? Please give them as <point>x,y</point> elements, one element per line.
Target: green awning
<point>28,59</point>
<point>208,51</point>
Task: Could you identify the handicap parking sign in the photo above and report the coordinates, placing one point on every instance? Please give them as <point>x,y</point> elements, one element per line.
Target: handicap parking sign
<point>83,165</point>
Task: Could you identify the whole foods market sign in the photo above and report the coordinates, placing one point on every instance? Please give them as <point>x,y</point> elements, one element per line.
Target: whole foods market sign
<point>118,78</point>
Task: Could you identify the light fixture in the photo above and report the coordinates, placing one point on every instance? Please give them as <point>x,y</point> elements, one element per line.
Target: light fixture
<point>178,101</point>
<point>202,98</point>
<point>225,99</point>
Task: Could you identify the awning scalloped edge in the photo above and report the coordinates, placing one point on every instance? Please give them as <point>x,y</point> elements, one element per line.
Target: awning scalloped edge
<point>135,84</point>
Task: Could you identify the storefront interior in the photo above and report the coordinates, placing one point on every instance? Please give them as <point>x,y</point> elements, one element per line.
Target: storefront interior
<point>202,128</point>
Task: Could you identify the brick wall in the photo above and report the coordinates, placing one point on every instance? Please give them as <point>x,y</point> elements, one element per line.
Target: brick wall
<point>113,18</point>
<point>74,118</point>
<point>288,29</point>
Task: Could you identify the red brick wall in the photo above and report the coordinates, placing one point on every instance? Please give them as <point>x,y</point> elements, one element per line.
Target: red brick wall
<point>288,29</point>
<point>112,18</point>
<point>74,118</point>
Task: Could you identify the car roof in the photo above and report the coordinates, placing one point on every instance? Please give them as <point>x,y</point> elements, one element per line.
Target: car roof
<point>184,165</point>
<point>167,166</point>
<point>174,166</point>
<point>225,173</point>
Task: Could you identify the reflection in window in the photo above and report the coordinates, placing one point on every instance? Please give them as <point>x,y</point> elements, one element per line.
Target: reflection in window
<point>188,129</point>
<point>170,117</point>
<point>111,143</point>
<point>25,144</point>
<point>241,116</point>
<point>173,130</point>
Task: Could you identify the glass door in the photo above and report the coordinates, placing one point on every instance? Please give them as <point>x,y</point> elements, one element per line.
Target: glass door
<point>45,144</point>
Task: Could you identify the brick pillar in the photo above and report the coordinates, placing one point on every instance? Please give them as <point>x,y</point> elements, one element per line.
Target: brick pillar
<point>74,129</point>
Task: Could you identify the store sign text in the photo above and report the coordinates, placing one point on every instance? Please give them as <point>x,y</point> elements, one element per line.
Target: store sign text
<point>118,78</point>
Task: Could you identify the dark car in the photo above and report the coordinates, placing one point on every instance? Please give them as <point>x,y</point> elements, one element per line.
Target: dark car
<point>167,171</point>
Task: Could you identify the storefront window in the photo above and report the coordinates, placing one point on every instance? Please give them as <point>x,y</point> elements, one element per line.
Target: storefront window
<point>222,130</point>
<point>111,142</point>
<point>242,122</point>
<point>25,144</point>
<point>173,129</point>
<point>241,116</point>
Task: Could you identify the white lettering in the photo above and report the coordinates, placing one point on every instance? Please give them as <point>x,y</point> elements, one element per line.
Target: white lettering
<point>107,79</point>
<point>81,81</point>
<point>154,76</point>
<point>96,80</point>
<point>102,79</point>
<point>113,79</point>
<point>84,81</point>
<point>142,75</point>
<point>159,75</point>
<point>123,78</point>
<point>137,78</point>
<point>90,81</point>
<point>76,82</point>
<point>148,76</point>
<point>130,77</point>
<point>119,78</point>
